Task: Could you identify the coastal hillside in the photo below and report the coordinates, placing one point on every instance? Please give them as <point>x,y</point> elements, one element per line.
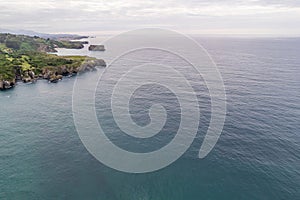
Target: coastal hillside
<point>56,36</point>
<point>35,43</point>
<point>26,58</point>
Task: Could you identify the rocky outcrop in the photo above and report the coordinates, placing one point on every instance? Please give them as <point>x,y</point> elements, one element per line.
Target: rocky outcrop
<point>4,84</point>
<point>47,48</point>
<point>89,65</point>
<point>55,78</point>
<point>96,48</point>
<point>56,74</point>
<point>28,76</point>
<point>27,79</point>
<point>18,72</point>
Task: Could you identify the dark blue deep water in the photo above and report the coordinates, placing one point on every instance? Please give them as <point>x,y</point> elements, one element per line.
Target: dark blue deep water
<point>256,157</point>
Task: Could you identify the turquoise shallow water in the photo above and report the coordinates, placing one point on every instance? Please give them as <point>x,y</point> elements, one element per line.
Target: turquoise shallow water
<point>257,156</point>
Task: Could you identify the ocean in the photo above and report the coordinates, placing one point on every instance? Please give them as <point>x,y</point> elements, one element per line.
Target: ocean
<point>256,157</point>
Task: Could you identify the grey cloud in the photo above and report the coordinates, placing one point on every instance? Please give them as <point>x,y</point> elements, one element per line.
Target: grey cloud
<point>95,15</point>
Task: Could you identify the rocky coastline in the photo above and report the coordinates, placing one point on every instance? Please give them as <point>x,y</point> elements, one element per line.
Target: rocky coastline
<point>52,75</point>
<point>27,59</point>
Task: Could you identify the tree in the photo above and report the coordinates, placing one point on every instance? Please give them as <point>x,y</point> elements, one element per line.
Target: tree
<point>13,44</point>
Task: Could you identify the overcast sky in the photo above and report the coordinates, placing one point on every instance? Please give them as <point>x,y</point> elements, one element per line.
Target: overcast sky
<point>281,17</point>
